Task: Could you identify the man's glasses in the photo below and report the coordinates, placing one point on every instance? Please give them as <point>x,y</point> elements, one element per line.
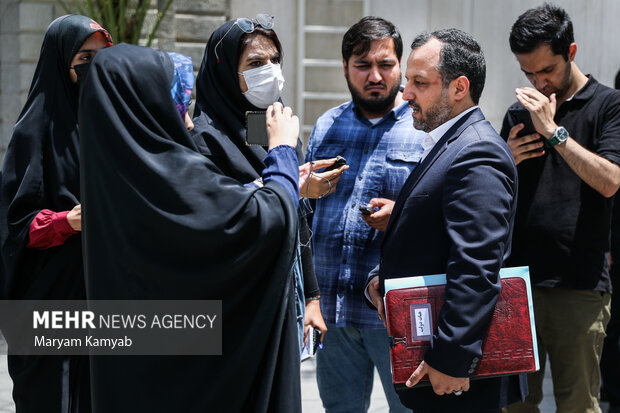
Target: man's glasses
<point>248,26</point>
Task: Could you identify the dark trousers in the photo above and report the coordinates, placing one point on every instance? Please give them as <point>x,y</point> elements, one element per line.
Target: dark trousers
<point>50,384</point>
<point>610,359</point>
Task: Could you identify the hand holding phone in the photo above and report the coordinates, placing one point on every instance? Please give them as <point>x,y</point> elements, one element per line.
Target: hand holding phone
<point>282,126</point>
<point>376,213</point>
<point>324,179</point>
<point>521,115</point>
<point>337,163</point>
<point>256,124</point>
<point>366,210</point>
<point>276,126</point>
<point>316,340</point>
<point>312,345</point>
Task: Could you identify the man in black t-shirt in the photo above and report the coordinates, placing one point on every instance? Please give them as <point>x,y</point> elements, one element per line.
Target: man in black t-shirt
<point>610,359</point>
<point>568,175</point>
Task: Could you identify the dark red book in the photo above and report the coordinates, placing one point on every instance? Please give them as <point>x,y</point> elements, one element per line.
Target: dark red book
<point>412,307</point>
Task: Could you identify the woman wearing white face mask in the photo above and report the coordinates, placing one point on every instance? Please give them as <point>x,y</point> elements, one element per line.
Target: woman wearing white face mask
<point>241,72</point>
<point>261,79</point>
<point>224,93</point>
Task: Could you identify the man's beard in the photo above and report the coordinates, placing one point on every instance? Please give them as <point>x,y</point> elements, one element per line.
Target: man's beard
<point>374,104</point>
<point>567,80</point>
<point>434,116</point>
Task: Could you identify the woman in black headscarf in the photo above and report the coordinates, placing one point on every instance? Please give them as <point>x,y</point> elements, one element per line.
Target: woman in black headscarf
<point>40,209</point>
<point>240,72</point>
<point>162,222</point>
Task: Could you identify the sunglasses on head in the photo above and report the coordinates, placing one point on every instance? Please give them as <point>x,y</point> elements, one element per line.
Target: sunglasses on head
<point>248,26</point>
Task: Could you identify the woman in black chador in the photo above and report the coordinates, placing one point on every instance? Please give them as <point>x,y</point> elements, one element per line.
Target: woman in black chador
<point>240,72</point>
<point>162,221</point>
<point>40,209</point>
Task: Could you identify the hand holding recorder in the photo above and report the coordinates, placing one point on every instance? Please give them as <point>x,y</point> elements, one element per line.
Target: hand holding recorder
<point>322,184</point>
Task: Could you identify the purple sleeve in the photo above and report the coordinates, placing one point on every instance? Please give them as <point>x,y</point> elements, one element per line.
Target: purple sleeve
<point>282,166</point>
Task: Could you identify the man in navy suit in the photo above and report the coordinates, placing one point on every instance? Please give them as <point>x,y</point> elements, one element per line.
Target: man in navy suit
<point>454,215</point>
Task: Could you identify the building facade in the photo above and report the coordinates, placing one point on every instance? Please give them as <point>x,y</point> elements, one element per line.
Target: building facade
<point>311,32</point>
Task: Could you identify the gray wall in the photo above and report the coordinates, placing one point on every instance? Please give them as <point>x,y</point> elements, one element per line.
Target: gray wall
<point>188,25</point>
<point>23,22</point>
<point>21,31</point>
<point>489,21</point>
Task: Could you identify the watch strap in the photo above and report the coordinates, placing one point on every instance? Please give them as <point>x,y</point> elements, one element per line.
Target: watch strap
<point>560,135</point>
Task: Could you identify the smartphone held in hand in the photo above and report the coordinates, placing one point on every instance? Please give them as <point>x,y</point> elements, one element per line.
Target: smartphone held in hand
<point>337,164</point>
<point>256,125</point>
<point>312,344</point>
<point>366,210</point>
<point>521,115</point>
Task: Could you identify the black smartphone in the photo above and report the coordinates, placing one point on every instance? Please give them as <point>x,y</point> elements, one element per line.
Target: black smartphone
<point>337,164</point>
<point>312,345</point>
<point>366,210</point>
<point>256,124</point>
<point>316,334</point>
<point>521,115</point>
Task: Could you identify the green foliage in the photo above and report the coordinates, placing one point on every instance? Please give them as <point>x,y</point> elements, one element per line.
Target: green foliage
<point>123,19</point>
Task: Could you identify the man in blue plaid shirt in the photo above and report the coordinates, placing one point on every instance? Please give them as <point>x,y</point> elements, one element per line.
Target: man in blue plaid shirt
<point>375,133</point>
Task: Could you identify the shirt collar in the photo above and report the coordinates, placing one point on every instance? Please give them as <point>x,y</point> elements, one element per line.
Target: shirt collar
<point>440,130</point>
<point>587,91</point>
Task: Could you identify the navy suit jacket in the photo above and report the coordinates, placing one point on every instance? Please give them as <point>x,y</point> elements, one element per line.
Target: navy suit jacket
<point>455,215</point>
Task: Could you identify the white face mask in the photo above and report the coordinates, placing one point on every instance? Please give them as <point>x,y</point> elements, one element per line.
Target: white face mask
<point>265,85</point>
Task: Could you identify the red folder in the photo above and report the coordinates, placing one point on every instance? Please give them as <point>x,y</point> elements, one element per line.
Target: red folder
<point>412,307</point>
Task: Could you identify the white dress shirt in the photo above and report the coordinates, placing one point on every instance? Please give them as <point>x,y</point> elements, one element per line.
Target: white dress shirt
<point>431,139</point>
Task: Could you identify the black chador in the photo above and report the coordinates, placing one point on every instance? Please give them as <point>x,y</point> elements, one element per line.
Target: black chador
<point>161,221</point>
<point>41,171</point>
<point>220,126</point>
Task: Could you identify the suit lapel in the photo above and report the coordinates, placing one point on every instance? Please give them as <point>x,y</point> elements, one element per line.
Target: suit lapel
<point>440,147</point>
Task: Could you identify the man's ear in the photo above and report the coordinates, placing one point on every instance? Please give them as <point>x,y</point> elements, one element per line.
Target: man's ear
<point>572,51</point>
<point>459,88</point>
<point>345,67</point>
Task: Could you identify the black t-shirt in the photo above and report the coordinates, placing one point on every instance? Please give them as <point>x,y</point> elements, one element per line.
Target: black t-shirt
<point>562,226</point>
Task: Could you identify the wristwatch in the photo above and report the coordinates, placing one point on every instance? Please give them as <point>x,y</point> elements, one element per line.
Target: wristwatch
<point>560,135</point>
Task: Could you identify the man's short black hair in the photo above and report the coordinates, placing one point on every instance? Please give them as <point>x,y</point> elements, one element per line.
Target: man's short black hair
<point>617,85</point>
<point>548,24</point>
<point>460,55</point>
<point>359,36</point>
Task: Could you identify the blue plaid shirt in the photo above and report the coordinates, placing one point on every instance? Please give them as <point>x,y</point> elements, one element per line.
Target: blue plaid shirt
<point>380,158</point>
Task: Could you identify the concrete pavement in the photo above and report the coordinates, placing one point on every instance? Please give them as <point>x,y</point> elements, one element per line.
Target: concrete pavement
<point>6,385</point>
<point>310,392</point>
<point>378,403</point>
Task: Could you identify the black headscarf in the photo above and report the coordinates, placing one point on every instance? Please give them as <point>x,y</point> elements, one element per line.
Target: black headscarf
<point>162,222</point>
<point>219,123</point>
<point>219,114</point>
<point>41,170</point>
